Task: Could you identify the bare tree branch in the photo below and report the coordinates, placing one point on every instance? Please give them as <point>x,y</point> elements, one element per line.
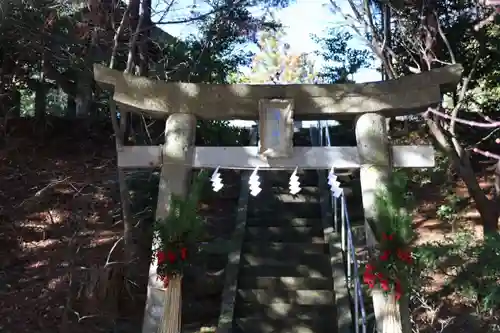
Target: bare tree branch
<point>492,124</point>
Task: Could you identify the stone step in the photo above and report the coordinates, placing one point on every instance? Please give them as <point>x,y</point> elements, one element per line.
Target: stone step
<point>347,172</point>
<point>310,192</point>
<point>350,194</point>
<point>301,197</point>
<point>278,248</point>
<point>356,216</point>
<point>285,234</point>
<point>251,271</point>
<point>358,234</point>
<point>353,201</point>
<point>284,181</point>
<point>272,202</point>
<point>305,180</point>
<point>259,208</point>
<point>303,297</point>
<point>289,325</point>
<point>276,311</point>
<point>266,221</point>
<point>282,256</point>
<point>278,174</point>
<point>313,261</point>
<point>285,283</point>
<point>302,139</point>
<point>313,230</point>
<point>356,213</point>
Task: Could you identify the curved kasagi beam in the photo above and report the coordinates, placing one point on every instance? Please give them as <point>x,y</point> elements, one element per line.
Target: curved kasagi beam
<point>406,95</point>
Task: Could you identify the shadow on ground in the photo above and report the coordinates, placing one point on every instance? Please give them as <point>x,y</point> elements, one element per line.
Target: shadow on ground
<point>59,218</point>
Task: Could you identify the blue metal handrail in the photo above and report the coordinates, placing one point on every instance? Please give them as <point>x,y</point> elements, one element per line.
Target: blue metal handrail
<point>353,277</point>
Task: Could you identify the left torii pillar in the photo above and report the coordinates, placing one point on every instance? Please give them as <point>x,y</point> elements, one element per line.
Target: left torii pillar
<point>175,176</point>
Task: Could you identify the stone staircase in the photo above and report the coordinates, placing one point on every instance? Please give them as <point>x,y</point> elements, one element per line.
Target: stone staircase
<point>283,281</point>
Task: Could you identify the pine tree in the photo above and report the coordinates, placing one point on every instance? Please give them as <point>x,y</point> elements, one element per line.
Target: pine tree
<point>276,63</point>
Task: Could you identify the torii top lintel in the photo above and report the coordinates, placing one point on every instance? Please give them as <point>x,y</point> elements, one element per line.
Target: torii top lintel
<point>405,95</point>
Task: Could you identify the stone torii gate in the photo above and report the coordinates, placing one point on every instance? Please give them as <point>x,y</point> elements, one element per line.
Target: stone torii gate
<point>275,107</point>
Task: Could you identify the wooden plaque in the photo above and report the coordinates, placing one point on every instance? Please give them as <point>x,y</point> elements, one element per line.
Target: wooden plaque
<point>276,127</point>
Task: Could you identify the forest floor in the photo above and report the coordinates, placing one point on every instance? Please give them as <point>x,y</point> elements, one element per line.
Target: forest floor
<point>450,300</point>
<point>60,217</point>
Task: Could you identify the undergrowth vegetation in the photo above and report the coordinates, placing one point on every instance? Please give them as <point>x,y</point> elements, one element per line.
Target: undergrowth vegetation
<point>457,278</point>
<point>471,267</point>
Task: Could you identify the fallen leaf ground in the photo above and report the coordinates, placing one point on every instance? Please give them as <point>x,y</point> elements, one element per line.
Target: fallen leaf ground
<point>59,209</point>
<point>444,309</point>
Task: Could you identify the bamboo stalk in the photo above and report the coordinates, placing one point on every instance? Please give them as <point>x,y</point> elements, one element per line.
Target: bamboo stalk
<point>391,316</point>
<point>171,321</point>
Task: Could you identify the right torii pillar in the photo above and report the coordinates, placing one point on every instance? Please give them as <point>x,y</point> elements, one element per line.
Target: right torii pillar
<point>376,165</point>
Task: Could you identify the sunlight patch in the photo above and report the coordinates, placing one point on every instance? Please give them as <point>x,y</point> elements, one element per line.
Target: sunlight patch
<point>37,264</point>
<point>40,244</point>
<point>55,283</point>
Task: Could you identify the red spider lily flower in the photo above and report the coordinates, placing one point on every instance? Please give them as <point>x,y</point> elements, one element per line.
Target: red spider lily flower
<point>384,283</point>
<point>387,237</point>
<point>171,257</point>
<point>160,256</point>
<point>405,256</point>
<point>385,255</point>
<point>369,267</point>
<point>398,290</point>
<point>369,278</point>
<point>183,253</point>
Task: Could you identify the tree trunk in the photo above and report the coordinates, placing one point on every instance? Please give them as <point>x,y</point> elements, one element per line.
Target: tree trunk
<point>128,225</point>
<point>488,209</point>
<point>131,250</point>
<point>497,183</point>
<point>144,38</point>
<point>83,100</point>
<point>11,103</point>
<point>84,95</point>
<point>489,215</point>
<point>40,101</point>
<point>71,106</point>
<point>496,198</point>
<point>15,110</point>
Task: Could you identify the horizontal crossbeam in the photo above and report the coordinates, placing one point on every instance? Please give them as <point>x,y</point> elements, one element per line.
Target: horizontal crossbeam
<point>248,158</point>
<point>405,95</point>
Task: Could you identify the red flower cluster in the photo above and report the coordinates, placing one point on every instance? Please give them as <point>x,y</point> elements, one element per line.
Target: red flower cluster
<point>386,237</point>
<point>402,254</point>
<point>371,276</point>
<point>171,257</point>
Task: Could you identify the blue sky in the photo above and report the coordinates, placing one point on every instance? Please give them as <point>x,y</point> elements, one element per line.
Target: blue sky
<point>301,19</point>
